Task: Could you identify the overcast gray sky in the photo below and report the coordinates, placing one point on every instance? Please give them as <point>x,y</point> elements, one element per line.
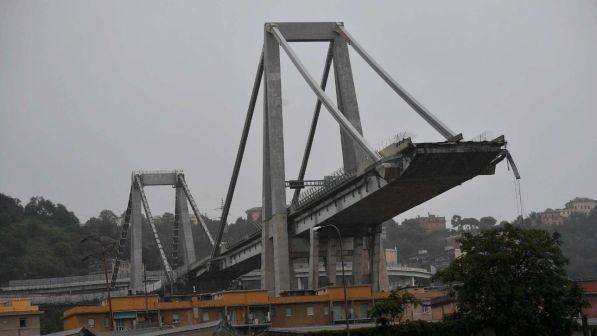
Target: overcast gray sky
<point>91,90</point>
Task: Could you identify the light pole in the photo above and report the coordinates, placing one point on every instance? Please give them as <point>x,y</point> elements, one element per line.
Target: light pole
<point>343,275</point>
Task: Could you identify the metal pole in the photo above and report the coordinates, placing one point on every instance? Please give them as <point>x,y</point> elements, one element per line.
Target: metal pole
<point>145,284</point>
<point>239,156</point>
<point>343,277</point>
<point>324,81</point>
<point>108,290</point>
<point>331,107</point>
<point>408,98</point>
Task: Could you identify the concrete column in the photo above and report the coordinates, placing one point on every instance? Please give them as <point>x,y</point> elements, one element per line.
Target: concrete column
<point>267,258</point>
<point>358,262</point>
<point>330,265</point>
<point>187,247</point>
<point>267,244</point>
<point>274,147</point>
<point>313,259</point>
<point>352,155</point>
<point>136,252</point>
<point>379,272</point>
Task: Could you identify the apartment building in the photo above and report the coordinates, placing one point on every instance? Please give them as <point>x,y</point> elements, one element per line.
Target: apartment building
<point>18,317</point>
<point>249,311</point>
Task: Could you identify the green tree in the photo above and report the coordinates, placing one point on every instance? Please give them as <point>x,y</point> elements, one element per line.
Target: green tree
<point>456,222</point>
<point>514,280</point>
<point>387,311</point>
<point>487,223</point>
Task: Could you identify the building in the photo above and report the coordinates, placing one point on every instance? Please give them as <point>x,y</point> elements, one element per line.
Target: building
<point>254,214</point>
<point>392,257</point>
<point>249,311</point>
<point>581,205</point>
<point>552,217</point>
<point>431,223</point>
<point>18,317</point>
<point>589,288</point>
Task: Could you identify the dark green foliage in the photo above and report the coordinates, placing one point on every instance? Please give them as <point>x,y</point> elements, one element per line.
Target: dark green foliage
<point>579,238</point>
<point>410,238</point>
<point>41,239</point>
<point>46,211</point>
<point>11,210</point>
<point>387,311</point>
<point>51,320</point>
<point>38,240</point>
<point>472,224</point>
<point>514,280</point>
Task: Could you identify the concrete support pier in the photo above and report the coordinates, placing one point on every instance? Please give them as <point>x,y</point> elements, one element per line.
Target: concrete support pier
<point>379,272</point>
<point>136,252</point>
<point>313,259</point>
<point>358,261</point>
<point>187,246</point>
<point>276,253</point>
<point>330,261</point>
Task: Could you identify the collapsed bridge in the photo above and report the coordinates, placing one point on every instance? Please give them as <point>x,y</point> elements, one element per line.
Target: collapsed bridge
<point>372,187</point>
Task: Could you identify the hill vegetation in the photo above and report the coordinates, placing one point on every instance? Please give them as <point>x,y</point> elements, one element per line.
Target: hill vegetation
<point>42,239</point>
<point>578,235</point>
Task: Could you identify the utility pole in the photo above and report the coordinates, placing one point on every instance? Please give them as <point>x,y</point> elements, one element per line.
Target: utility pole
<point>145,285</point>
<point>108,290</point>
<point>107,245</point>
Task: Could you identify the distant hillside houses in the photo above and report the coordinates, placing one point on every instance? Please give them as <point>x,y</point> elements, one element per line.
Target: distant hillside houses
<point>579,205</point>
<point>431,223</point>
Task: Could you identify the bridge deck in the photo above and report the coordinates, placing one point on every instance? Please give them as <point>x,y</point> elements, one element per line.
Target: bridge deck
<point>396,184</point>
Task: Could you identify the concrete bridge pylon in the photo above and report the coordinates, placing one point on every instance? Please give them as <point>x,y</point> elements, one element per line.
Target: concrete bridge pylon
<point>183,248</point>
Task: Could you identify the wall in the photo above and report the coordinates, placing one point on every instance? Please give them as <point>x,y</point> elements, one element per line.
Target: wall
<point>10,325</point>
<point>321,314</point>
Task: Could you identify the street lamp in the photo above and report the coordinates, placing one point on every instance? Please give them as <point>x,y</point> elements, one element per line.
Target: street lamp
<point>343,275</point>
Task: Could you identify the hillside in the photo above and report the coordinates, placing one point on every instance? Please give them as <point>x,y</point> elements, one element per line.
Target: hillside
<point>42,239</point>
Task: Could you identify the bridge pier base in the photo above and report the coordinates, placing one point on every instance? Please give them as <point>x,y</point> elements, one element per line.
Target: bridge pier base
<point>313,259</point>
<point>330,261</point>
<point>379,272</point>
<point>358,264</point>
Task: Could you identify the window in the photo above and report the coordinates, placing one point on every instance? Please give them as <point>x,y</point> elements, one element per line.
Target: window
<point>22,322</point>
<point>119,325</point>
<point>175,318</point>
<point>106,322</point>
<point>288,311</point>
<point>91,323</point>
<point>364,310</point>
<point>309,310</point>
<point>426,308</point>
<point>205,316</point>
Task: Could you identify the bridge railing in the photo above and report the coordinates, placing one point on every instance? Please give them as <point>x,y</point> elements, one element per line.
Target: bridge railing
<point>330,183</point>
<point>72,280</point>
